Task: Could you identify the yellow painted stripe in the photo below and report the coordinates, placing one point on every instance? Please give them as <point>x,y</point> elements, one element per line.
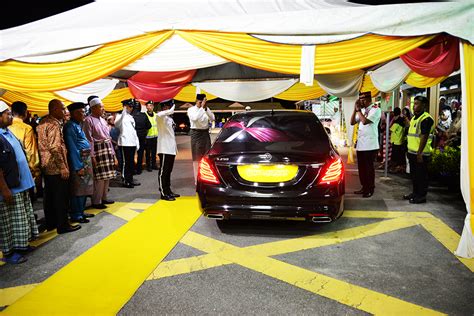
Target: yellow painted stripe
<point>340,291</point>
<point>12,294</point>
<point>121,262</point>
<point>330,238</point>
<point>187,265</point>
<point>385,214</point>
<point>447,237</point>
<point>43,238</point>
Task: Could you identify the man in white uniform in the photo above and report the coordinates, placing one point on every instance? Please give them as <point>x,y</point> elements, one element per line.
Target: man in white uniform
<point>167,149</point>
<point>199,117</point>
<point>368,116</point>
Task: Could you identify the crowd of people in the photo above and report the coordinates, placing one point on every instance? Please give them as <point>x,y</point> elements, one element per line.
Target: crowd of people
<point>412,138</point>
<point>73,153</point>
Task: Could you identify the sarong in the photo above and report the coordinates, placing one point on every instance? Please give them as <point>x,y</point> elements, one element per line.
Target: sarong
<point>105,162</point>
<point>83,185</point>
<point>200,143</point>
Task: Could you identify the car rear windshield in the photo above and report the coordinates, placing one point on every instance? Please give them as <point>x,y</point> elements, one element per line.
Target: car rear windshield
<point>267,128</point>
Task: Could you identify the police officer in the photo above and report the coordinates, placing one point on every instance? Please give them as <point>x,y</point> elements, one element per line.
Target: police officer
<point>420,137</point>
<point>368,116</point>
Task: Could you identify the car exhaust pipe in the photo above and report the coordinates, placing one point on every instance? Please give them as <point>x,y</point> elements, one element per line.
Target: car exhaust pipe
<point>218,217</point>
<point>321,219</point>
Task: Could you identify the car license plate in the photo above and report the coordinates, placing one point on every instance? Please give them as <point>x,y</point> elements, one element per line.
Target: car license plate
<point>267,173</point>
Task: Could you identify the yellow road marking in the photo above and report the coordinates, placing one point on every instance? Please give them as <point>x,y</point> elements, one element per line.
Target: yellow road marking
<point>446,236</point>
<point>11,294</point>
<point>122,261</point>
<point>340,291</point>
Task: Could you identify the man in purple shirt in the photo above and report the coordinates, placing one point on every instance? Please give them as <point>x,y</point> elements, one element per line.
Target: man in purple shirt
<point>102,152</point>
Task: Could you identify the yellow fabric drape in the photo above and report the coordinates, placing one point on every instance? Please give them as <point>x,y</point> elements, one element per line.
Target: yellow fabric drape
<point>420,81</point>
<point>468,110</point>
<point>299,91</point>
<point>26,77</point>
<point>188,94</point>
<point>113,102</point>
<point>358,53</point>
<point>37,102</point>
<point>367,85</point>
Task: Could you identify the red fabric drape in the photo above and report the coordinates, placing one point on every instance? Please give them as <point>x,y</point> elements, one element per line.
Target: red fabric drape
<point>159,86</point>
<point>437,58</point>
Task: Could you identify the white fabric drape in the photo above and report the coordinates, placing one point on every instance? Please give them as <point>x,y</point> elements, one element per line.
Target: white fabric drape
<point>342,85</point>
<point>176,54</point>
<point>348,106</point>
<point>246,91</point>
<point>466,243</point>
<point>307,64</point>
<point>390,75</point>
<point>330,21</point>
<point>58,57</point>
<point>100,88</point>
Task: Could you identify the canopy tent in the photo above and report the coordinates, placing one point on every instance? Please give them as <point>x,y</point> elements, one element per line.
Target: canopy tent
<point>339,45</point>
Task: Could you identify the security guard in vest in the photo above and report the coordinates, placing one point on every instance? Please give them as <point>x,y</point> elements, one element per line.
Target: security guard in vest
<point>420,138</point>
<point>151,138</point>
<point>398,140</point>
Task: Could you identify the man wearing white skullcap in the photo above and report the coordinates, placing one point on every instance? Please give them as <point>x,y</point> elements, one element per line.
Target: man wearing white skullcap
<point>102,152</point>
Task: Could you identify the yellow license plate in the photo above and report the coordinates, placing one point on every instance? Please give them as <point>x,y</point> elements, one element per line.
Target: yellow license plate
<point>267,173</point>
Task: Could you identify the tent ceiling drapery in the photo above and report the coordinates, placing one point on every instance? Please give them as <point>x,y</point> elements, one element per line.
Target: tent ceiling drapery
<point>131,33</point>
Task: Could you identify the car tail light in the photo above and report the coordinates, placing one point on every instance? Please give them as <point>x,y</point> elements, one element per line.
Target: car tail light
<point>333,173</point>
<point>206,172</point>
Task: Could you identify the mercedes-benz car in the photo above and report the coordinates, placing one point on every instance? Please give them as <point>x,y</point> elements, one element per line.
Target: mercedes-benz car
<point>272,165</point>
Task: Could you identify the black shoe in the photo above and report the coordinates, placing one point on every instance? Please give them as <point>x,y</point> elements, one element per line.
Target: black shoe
<point>99,206</point>
<point>134,183</point>
<point>361,191</point>
<point>149,169</point>
<point>138,172</point>
<point>108,202</point>
<point>408,196</point>
<point>175,195</point>
<point>167,198</point>
<point>81,220</point>
<point>128,185</point>
<point>69,229</point>
<point>416,200</point>
<point>86,215</point>
<point>367,194</point>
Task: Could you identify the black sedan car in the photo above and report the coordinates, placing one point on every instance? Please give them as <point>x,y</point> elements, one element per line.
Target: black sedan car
<point>272,165</point>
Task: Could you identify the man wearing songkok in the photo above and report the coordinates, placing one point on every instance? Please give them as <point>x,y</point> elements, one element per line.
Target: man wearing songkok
<point>102,152</point>
<point>53,158</point>
<point>17,220</point>
<point>167,149</point>
<point>368,116</point>
<point>151,138</point>
<point>128,142</point>
<point>80,163</point>
<point>199,117</point>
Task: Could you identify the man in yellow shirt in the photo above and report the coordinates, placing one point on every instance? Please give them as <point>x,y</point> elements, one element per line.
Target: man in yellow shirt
<point>26,136</point>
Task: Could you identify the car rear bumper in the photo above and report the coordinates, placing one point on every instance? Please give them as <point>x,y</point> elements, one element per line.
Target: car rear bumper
<point>219,203</point>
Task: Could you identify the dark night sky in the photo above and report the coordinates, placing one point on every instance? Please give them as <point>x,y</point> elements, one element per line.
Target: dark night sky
<point>25,11</point>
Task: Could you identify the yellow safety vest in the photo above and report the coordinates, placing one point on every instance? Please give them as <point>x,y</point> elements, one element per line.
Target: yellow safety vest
<point>398,134</point>
<point>414,135</point>
<point>153,131</point>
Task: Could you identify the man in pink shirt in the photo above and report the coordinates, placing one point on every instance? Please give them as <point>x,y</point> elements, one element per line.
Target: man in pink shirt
<point>102,152</point>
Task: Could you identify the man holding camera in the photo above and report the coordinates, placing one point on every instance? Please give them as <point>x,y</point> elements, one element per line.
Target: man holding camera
<point>199,117</point>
